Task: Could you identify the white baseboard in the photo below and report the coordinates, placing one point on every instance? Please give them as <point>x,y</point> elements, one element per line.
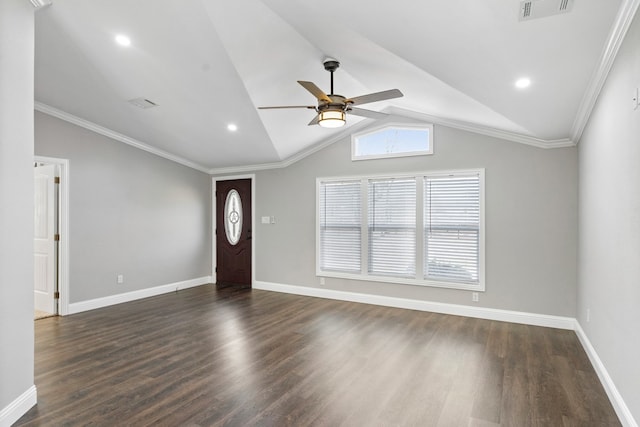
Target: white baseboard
<point>92,304</point>
<point>623,412</point>
<point>436,307</point>
<point>12,412</point>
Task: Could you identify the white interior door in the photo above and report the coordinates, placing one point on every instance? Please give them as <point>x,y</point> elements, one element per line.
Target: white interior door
<point>44,238</point>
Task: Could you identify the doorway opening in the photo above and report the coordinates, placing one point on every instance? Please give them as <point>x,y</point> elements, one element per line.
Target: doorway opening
<point>51,237</point>
<point>233,224</point>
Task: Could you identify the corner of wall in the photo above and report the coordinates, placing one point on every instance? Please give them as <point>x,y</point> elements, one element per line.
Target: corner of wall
<point>610,388</point>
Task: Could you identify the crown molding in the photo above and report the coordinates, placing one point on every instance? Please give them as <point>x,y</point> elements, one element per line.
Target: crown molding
<point>616,37</point>
<point>484,130</point>
<point>62,115</point>
<point>395,114</point>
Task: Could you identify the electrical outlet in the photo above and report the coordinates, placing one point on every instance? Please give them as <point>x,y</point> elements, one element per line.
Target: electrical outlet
<point>588,315</point>
<point>475,297</point>
<point>120,278</point>
<point>322,281</point>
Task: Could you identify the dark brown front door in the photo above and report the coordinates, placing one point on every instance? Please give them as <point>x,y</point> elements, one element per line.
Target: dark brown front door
<point>233,233</point>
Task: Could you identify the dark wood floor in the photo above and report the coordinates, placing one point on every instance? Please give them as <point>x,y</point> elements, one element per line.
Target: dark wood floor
<point>203,356</point>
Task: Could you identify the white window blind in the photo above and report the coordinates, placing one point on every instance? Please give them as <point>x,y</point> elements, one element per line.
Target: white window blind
<point>392,227</point>
<point>452,228</point>
<point>340,226</point>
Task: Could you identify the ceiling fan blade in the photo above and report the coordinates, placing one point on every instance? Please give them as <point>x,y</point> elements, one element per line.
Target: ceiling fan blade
<point>312,107</point>
<point>373,97</point>
<point>315,120</point>
<point>366,113</point>
<point>315,90</point>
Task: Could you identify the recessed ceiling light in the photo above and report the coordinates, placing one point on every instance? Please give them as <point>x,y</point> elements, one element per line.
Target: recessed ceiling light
<point>123,40</point>
<point>523,82</point>
<point>232,127</point>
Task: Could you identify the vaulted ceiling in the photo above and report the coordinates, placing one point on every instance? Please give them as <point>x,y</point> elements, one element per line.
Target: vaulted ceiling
<point>209,63</point>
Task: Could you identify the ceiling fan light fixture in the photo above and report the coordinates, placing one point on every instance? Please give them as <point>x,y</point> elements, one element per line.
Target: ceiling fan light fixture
<point>332,118</point>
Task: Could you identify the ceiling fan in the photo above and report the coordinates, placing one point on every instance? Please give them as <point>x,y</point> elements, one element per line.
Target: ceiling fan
<point>332,108</point>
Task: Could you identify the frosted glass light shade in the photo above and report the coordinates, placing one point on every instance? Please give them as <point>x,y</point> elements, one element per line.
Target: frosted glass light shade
<point>332,119</point>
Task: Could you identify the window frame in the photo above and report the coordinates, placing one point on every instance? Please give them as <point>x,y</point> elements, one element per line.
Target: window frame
<point>400,126</point>
<point>418,280</point>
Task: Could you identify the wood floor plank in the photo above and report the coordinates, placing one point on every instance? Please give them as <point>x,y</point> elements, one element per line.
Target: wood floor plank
<point>228,357</point>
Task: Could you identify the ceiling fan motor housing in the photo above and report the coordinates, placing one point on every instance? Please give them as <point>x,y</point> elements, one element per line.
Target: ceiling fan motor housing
<point>338,102</point>
<point>331,65</point>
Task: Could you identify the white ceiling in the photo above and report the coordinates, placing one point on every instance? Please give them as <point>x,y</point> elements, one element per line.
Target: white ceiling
<point>207,63</point>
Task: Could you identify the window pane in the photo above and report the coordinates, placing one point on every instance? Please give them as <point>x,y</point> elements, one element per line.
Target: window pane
<point>452,228</point>
<point>392,227</point>
<point>233,217</point>
<point>392,142</point>
<point>340,217</point>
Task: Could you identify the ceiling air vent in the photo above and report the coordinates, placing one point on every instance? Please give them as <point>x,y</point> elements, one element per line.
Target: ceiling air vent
<point>142,103</point>
<point>533,9</point>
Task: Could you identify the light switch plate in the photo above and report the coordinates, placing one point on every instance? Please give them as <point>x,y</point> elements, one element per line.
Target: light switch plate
<point>636,98</point>
<point>265,220</point>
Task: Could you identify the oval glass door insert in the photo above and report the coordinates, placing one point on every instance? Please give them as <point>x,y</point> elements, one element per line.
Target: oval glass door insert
<point>233,217</point>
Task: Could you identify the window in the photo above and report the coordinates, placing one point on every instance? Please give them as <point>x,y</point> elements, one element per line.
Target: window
<point>452,228</point>
<point>393,141</point>
<point>392,227</point>
<point>339,226</point>
<point>425,229</point>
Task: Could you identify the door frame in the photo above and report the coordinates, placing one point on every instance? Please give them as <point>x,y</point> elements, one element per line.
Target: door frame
<point>214,249</point>
<point>63,230</point>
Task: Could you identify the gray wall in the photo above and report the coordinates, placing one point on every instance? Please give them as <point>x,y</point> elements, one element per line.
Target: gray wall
<point>531,221</point>
<point>16,200</point>
<point>609,210</point>
<point>131,213</point>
